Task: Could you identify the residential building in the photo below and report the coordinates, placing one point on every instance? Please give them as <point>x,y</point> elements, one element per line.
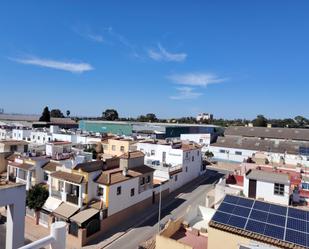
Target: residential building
<point>179,162</point>
<point>272,187</point>
<point>117,146</point>
<point>41,136</point>
<point>13,146</point>
<point>239,149</point>
<point>201,139</point>
<point>247,223</point>
<point>26,170</point>
<point>204,116</point>
<point>21,133</point>
<point>13,196</point>
<point>5,132</point>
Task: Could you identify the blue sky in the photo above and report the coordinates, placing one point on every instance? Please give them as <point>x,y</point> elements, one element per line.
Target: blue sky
<point>235,59</point>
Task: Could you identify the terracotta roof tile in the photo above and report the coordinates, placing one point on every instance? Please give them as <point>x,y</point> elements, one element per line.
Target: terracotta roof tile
<point>74,178</point>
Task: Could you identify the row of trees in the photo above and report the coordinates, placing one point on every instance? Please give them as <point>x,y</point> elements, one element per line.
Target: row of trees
<point>54,113</point>
<point>259,121</point>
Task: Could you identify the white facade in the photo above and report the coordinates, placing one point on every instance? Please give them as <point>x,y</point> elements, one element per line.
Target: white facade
<point>40,137</point>
<point>265,191</point>
<point>204,116</point>
<point>239,155</point>
<point>170,160</point>
<point>21,134</point>
<point>5,134</point>
<point>201,139</point>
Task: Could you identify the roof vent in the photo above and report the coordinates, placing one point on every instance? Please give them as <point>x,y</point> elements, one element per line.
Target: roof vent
<point>125,171</point>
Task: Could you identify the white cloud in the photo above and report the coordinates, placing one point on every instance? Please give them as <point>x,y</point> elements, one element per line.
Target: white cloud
<point>185,93</point>
<point>87,34</point>
<point>161,54</point>
<point>196,79</point>
<point>60,65</point>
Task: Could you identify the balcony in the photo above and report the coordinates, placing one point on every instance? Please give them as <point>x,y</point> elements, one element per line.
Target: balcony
<point>72,199</point>
<point>56,194</point>
<point>164,166</point>
<point>12,178</point>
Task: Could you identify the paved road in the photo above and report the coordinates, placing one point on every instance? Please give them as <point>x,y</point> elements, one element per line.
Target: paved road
<point>2,229</point>
<point>194,194</point>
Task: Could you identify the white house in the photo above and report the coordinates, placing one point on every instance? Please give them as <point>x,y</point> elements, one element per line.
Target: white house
<point>5,133</point>
<point>40,136</point>
<point>178,162</point>
<point>202,139</point>
<point>21,134</point>
<point>269,186</point>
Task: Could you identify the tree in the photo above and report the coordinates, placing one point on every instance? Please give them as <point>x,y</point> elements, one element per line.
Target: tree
<point>56,113</point>
<point>301,121</point>
<point>209,154</point>
<point>260,121</point>
<point>36,198</point>
<point>45,115</point>
<point>151,117</point>
<point>110,114</point>
<point>68,113</point>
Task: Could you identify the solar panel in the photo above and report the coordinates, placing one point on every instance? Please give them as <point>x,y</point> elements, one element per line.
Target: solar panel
<point>261,206</point>
<point>237,221</point>
<point>225,207</point>
<point>274,221</point>
<point>241,211</point>
<point>297,224</point>
<point>296,237</point>
<point>276,209</point>
<point>259,215</point>
<point>255,226</point>
<point>221,217</point>
<point>296,213</point>
<point>231,199</point>
<point>274,231</point>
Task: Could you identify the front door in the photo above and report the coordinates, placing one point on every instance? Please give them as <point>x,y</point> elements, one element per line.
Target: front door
<point>252,188</point>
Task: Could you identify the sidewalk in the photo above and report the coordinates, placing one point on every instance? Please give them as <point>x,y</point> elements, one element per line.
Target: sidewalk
<point>152,211</point>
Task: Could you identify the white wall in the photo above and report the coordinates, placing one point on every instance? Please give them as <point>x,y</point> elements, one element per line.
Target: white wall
<point>40,137</point>
<point>5,134</point>
<point>21,134</point>
<point>117,203</point>
<point>265,190</point>
<point>201,139</point>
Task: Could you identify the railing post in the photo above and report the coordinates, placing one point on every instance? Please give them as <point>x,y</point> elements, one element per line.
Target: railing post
<point>58,232</point>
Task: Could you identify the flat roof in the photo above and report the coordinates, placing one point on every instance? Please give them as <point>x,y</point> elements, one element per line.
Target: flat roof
<point>267,176</point>
<point>84,215</point>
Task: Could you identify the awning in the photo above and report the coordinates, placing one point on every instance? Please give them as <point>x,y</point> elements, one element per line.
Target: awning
<point>51,204</point>
<point>65,210</point>
<point>84,215</point>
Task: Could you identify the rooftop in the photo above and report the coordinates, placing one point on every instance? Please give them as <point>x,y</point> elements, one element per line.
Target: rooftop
<point>266,176</point>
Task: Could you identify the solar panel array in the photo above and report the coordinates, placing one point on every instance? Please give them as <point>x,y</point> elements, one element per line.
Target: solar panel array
<point>304,151</point>
<point>279,222</point>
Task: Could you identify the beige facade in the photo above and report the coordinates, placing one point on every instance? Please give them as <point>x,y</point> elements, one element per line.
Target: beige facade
<point>13,146</point>
<point>221,239</point>
<point>116,147</point>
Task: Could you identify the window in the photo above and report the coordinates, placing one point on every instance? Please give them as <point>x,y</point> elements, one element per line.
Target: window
<point>38,137</point>
<point>122,148</point>
<point>142,180</point>
<point>198,153</point>
<point>113,147</point>
<point>186,168</point>
<point>60,185</point>
<point>278,189</point>
<point>152,152</point>
<point>176,178</point>
<point>187,154</point>
<point>119,190</point>
<point>192,158</point>
<point>33,137</point>
<point>45,176</point>
<point>201,140</point>
<point>222,151</point>
<point>148,179</point>
<point>132,191</point>
<point>239,153</point>
<point>100,191</point>
<point>13,148</point>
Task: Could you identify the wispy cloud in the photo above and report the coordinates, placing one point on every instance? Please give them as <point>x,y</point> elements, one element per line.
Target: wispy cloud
<point>60,65</point>
<point>89,35</point>
<point>196,79</point>
<point>186,93</point>
<point>161,54</point>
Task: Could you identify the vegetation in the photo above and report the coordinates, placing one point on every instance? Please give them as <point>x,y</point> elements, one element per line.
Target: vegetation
<point>45,115</point>
<point>68,113</point>
<point>56,113</point>
<point>36,198</point>
<point>260,121</point>
<point>149,117</point>
<point>209,154</point>
<point>110,114</point>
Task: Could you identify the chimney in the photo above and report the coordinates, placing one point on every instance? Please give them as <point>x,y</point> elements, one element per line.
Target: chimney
<point>125,171</point>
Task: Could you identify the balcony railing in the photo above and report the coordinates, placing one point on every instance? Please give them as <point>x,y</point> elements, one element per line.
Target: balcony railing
<point>56,193</point>
<point>72,198</point>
